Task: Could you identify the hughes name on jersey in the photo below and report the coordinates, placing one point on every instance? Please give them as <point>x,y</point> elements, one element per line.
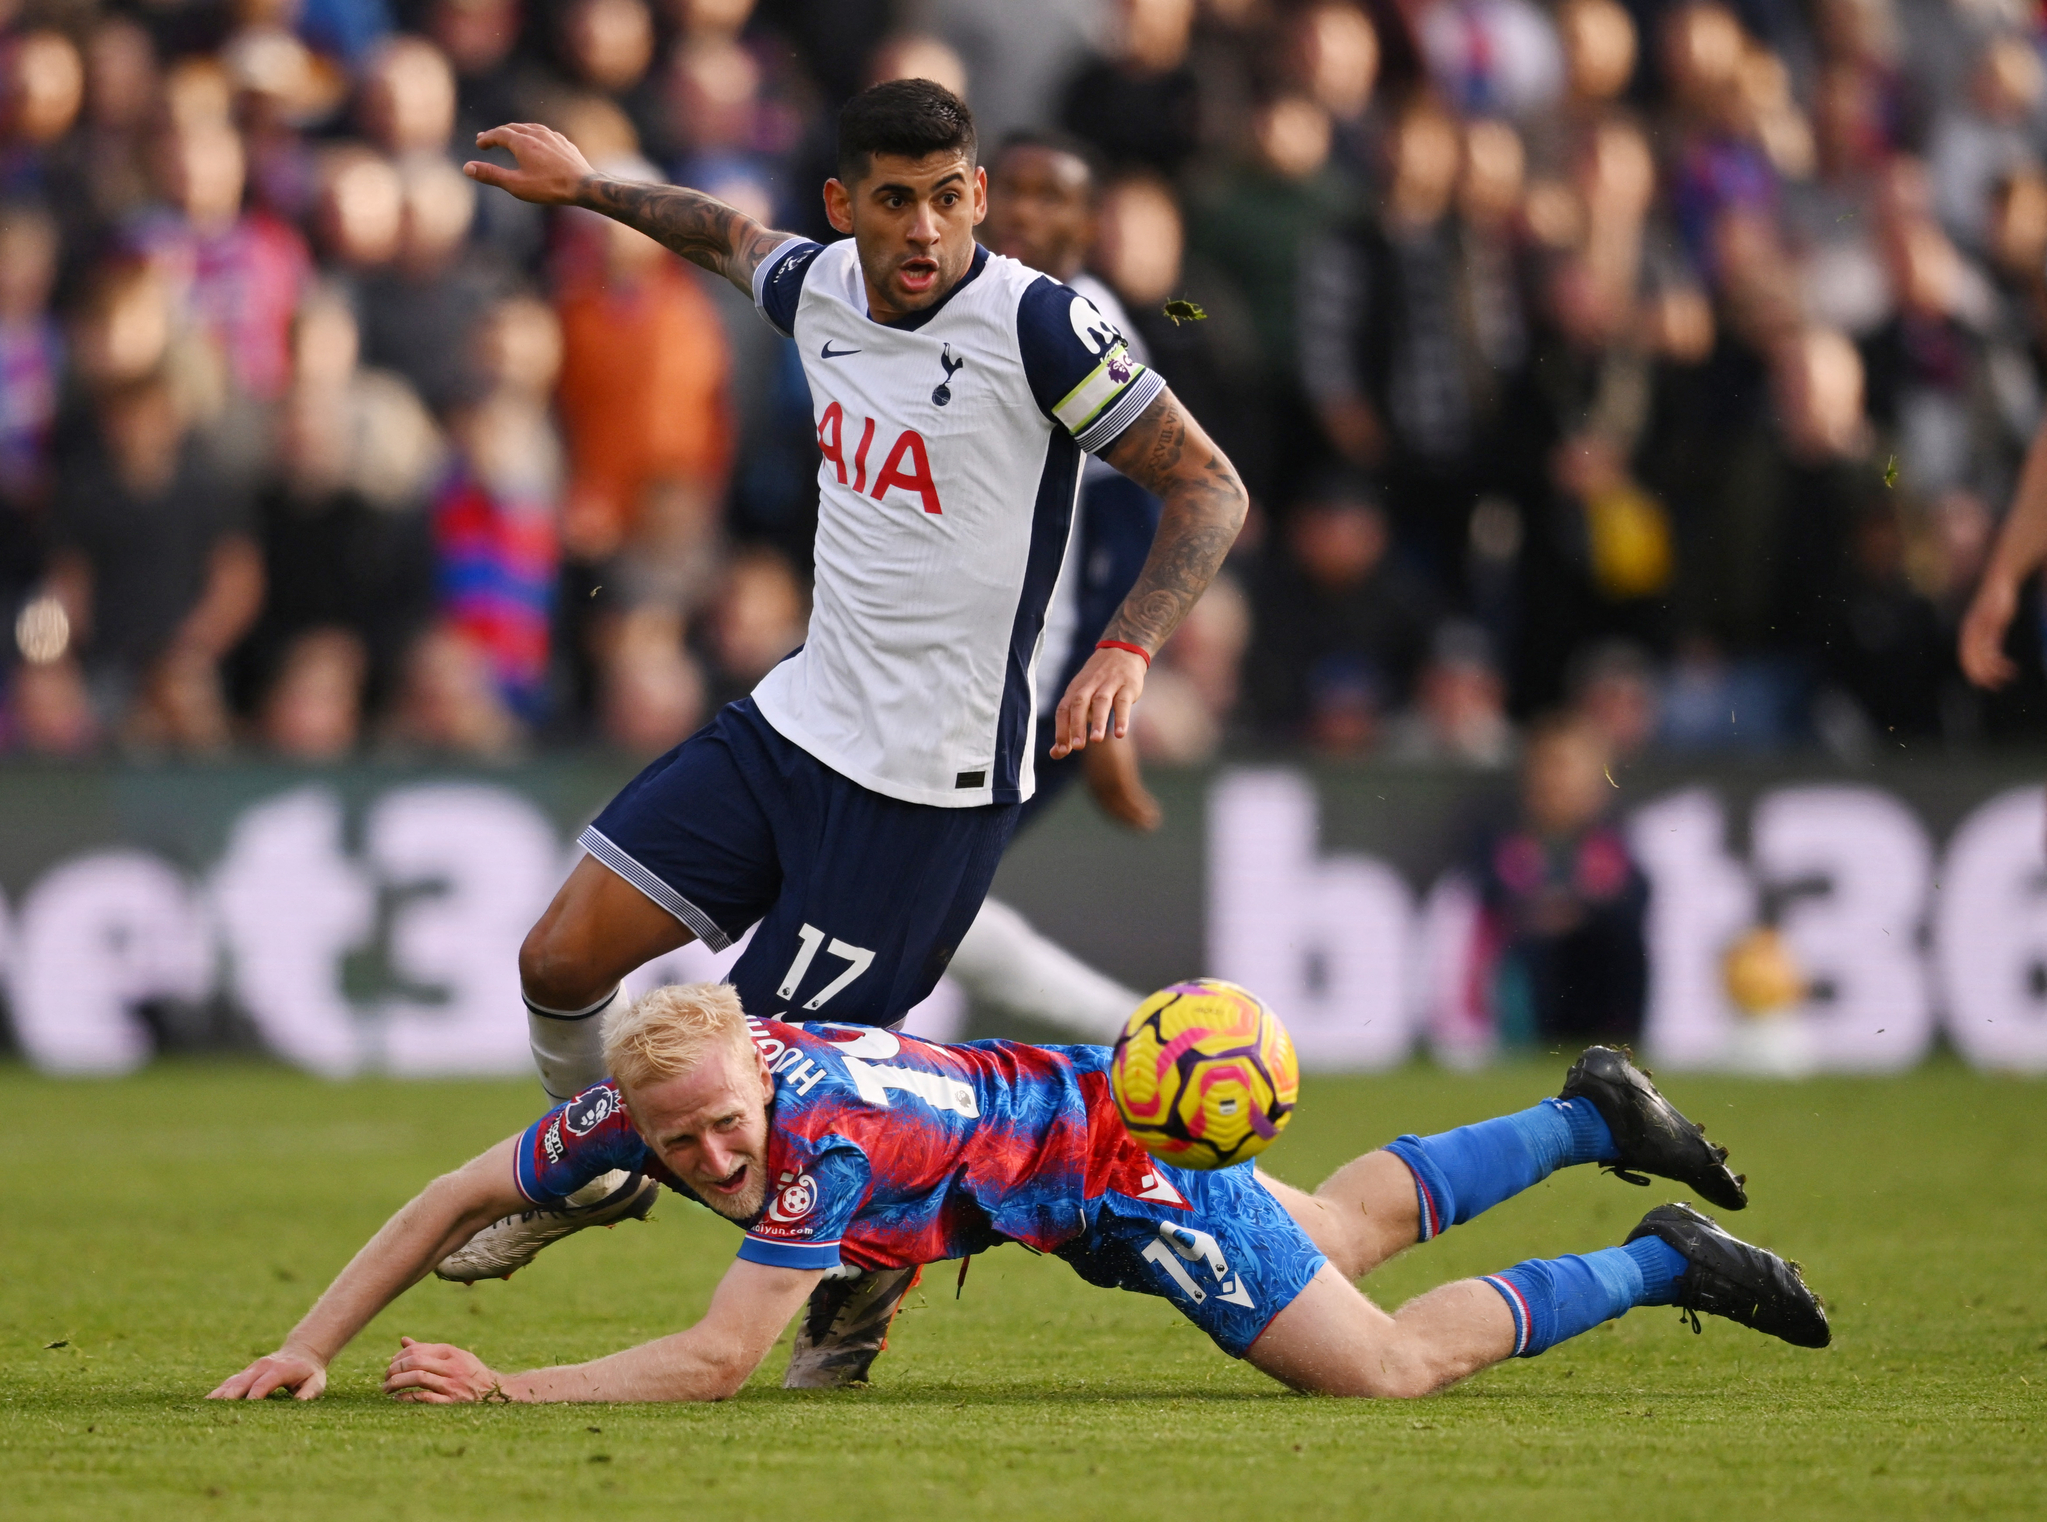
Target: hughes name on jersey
<point>884,1151</point>
<point>952,442</point>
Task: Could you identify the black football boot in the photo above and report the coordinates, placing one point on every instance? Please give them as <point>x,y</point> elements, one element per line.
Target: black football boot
<point>1727,1277</point>
<point>1647,1128</point>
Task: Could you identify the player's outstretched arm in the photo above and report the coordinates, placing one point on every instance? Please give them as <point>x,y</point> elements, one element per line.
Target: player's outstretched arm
<point>551,171</point>
<point>439,1219</point>
<point>1166,452</point>
<point>710,1361</point>
<point>2020,549</point>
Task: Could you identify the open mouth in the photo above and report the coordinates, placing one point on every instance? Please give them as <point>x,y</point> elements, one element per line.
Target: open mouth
<point>918,275</point>
<point>732,1182</point>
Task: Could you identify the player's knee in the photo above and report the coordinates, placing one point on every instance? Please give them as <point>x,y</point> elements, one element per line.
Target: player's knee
<point>1393,1372</point>
<point>1371,1380</point>
<point>1389,1383</point>
<point>1415,1365</point>
<point>552,969</point>
<point>1406,1382</point>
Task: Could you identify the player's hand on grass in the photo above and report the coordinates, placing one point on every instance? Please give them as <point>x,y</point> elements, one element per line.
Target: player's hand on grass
<point>440,1374</point>
<point>1099,701</point>
<point>551,170</point>
<point>304,1377</point>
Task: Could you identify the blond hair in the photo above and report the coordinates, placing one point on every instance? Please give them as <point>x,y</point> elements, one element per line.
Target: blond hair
<point>667,1030</point>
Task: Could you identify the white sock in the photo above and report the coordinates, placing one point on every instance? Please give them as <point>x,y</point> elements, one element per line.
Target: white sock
<point>1002,961</point>
<point>568,1045</point>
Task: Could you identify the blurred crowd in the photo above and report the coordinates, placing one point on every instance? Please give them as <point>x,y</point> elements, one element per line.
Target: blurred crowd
<point>1669,361</point>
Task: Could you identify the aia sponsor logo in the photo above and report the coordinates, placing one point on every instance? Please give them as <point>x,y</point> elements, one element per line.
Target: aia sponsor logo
<point>906,466</point>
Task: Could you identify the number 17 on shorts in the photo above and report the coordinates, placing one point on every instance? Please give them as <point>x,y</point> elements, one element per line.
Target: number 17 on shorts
<point>856,959</point>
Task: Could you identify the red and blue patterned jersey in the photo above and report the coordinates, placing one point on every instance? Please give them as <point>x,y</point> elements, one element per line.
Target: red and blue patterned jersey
<point>885,1151</point>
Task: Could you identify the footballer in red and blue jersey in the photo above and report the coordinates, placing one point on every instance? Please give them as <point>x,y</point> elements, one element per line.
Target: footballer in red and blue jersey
<point>887,1152</point>
<point>839,1149</point>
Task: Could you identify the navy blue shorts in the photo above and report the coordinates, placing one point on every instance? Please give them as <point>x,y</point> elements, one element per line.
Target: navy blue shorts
<point>1231,1261</point>
<point>859,899</point>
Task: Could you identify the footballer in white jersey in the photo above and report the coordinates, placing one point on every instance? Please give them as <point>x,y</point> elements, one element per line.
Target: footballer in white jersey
<point>951,443</point>
<point>852,811</point>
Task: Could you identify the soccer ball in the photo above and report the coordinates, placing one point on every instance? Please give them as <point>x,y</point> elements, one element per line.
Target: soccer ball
<point>1204,1075</point>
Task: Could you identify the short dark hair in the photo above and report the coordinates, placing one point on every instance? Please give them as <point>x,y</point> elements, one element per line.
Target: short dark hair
<point>908,117</point>
<point>1052,140</point>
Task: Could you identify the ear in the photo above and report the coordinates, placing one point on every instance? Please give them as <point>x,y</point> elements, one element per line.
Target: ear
<point>838,205</point>
<point>980,195</point>
<point>760,1061</point>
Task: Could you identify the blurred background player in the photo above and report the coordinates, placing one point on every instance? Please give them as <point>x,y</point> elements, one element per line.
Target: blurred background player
<point>1562,946</point>
<point>2020,550</point>
<point>2017,554</point>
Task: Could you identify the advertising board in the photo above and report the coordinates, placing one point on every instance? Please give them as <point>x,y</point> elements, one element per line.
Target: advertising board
<point>368,920</point>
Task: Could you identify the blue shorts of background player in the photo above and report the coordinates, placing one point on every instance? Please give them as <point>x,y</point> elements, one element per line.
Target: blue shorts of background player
<point>1231,1265</point>
<point>858,898</point>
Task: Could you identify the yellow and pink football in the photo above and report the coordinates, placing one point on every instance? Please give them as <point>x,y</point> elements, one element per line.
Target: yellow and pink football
<point>1204,1074</point>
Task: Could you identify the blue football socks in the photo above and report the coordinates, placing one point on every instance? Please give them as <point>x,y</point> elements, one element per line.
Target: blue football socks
<point>1462,1173</point>
<point>1554,1299</point>
<point>1662,1266</point>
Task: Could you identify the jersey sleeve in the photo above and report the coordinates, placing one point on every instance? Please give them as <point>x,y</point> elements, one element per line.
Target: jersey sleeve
<point>778,282</point>
<point>576,1142</point>
<point>1079,365</point>
<point>809,1207</point>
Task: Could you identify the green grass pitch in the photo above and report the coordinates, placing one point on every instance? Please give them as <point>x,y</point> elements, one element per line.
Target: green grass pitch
<point>160,1231</point>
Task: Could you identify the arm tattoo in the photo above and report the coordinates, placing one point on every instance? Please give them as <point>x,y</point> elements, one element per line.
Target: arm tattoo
<point>1164,452</point>
<point>701,228</point>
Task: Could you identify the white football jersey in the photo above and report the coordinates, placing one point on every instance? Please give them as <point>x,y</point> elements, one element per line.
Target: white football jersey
<point>952,443</point>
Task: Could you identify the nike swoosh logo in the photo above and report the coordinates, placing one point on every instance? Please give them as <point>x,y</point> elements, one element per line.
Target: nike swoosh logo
<point>828,352</point>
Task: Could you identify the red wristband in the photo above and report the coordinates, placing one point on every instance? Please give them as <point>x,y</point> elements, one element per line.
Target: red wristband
<point>1117,644</point>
